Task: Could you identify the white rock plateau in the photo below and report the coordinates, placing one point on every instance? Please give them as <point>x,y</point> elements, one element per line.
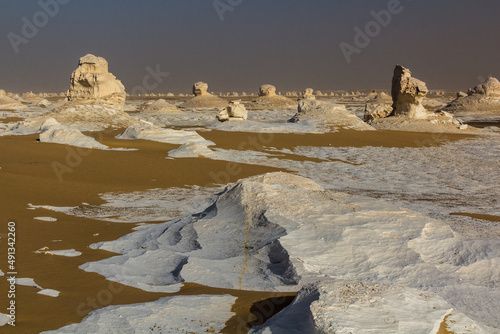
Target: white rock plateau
<point>278,232</point>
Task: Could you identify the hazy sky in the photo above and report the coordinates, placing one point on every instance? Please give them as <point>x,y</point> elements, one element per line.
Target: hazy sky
<point>292,44</point>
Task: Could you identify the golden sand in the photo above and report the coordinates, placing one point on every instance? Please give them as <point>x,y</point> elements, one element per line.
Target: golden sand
<point>27,175</point>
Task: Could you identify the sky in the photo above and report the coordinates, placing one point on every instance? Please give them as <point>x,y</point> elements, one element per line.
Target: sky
<point>238,45</point>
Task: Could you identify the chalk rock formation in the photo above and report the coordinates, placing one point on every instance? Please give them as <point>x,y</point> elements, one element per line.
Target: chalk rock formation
<point>234,110</point>
<point>91,82</point>
<point>408,94</point>
<point>376,110</point>
<point>318,93</point>
<point>160,106</point>
<point>200,89</point>
<point>203,99</point>
<point>408,113</point>
<point>267,90</point>
<point>269,100</point>
<point>329,114</point>
<point>277,231</point>
<point>2,93</point>
<point>308,93</point>
<point>484,99</point>
<point>349,306</point>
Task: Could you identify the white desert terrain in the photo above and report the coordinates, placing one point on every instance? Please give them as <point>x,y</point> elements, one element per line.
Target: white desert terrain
<point>312,212</point>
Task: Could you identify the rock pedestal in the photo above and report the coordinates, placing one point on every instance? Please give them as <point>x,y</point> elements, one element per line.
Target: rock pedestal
<point>408,94</point>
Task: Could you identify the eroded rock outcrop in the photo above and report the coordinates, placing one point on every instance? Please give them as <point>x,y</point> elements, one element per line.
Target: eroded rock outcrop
<point>203,99</point>
<point>408,112</point>
<point>234,110</point>
<point>308,93</point>
<point>92,82</point>
<point>484,99</point>
<point>375,111</point>
<point>269,100</point>
<point>408,94</point>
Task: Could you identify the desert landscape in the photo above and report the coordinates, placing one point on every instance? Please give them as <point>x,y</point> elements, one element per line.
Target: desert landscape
<point>198,210</point>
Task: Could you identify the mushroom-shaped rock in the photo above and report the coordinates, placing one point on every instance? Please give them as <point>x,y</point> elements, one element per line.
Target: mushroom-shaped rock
<point>200,89</point>
<point>267,90</point>
<point>91,81</point>
<point>308,93</point>
<point>408,94</point>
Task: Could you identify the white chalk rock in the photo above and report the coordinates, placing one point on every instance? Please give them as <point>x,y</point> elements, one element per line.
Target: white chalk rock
<point>408,94</point>
<point>92,81</point>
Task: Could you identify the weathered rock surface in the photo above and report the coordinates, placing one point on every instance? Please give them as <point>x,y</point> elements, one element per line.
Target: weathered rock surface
<point>484,99</point>
<point>200,89</point>
<point>342,306</point>
<point>160,106</point>
<point>308,93</point>
<point>408,94</point>
<point>235,110</point>
<point>376,110</point>
<point>267,90</point>
<point>92,82</point>
<point>332,115</point>
<point>279,231</point>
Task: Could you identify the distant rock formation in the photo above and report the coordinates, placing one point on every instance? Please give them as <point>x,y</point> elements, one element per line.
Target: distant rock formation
<point>235,110</point>
<point>203,99</point>
<point>159,106</point>
<point>378,97</point>
<point>91,82</point>
<point>408,94</point>
<point>484,99</point>
<point>2,93</point>
<point>30,97</point>
<point>269,100</point>
<point>329,114</point>
<point>407,112</point>
<point>200,89</point>
<point>8,102</point>
<point>308,94</point>
<point>267,91</point>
